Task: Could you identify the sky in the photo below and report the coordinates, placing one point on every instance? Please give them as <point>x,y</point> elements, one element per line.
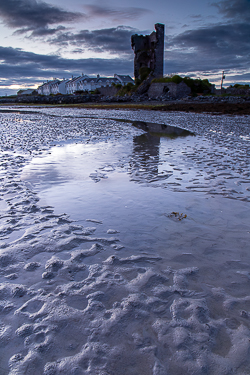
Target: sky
<point>40,40</point>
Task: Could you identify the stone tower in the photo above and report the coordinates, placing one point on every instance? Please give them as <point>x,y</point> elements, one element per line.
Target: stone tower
<point>149,51</point>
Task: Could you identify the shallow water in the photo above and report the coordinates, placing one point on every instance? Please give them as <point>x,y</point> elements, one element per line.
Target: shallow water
<point>125,244</point>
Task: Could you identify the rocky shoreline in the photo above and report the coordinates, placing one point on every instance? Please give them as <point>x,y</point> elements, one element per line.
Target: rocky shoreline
<point>235,105</point>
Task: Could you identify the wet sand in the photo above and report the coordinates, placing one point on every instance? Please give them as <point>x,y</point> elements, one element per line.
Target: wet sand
<point>125,248</point>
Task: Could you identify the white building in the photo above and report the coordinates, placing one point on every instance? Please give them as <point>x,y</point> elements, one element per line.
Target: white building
<point>40,89</point>
<point>91,84</point>
<point>46,88</point>
<point>106,81</point>
<point>74,84</point>
<point>59,87</point>
<point>81,83</point>
<point>88,84</point>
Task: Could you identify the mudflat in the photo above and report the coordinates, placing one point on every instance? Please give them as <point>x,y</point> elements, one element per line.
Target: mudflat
<point>124,242</point>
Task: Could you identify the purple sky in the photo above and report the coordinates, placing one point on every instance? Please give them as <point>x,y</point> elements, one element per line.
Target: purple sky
<point>40,40</point>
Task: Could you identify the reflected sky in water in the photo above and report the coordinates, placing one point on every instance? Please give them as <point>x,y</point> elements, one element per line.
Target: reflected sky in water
<point>133,185</point>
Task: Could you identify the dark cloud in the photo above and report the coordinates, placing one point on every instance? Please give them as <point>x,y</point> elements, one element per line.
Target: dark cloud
<point>235,9</point>
<point>18,66</point>
<point>40,32</point>
<point>211,48</point>
<point>31,14</point>
<point>242,78</point>
<point>113,40</point>
<point>116,14</point>
<point>45,31</point>
<point>218,39</point>
<point>214,47</point>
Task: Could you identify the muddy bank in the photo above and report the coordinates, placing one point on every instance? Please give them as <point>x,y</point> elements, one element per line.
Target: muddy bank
<point>233,105</point>
<point>220,108</point>
<point>180,106</point>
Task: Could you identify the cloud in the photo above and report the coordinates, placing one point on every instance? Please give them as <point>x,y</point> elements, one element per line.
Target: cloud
<point>40,32</point>
<point>211,48</point>
<point>45,31</point>
<point>113,40</point>
<point>18,66</point>
<point>201,51</point>
<point>234,9</point>
<point>240,78</point>
<point>32,14</point>
<point>116,14</point>
<point>220,39</point>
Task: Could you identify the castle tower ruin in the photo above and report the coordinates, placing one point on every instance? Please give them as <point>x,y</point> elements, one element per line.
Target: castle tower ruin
<point>149,51</point>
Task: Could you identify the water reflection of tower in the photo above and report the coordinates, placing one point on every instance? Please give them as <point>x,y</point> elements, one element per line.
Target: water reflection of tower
<point>145,158</point>
<point>144,163</point>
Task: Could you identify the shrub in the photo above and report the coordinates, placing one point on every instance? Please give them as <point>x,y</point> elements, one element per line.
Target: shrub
<point>79,92</point>
<point>240,86</point>
<point>161,80</point>
<point>95,92</point>
<point>127,89</point>
<point>176,79</point>
<point>144,72</point>
<point>196,85</point>
<point>117,85</point>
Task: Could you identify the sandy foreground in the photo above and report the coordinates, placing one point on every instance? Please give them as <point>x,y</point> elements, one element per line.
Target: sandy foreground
<point>124,247</point>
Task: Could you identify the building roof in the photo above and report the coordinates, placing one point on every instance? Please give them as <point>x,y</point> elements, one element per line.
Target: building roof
<point>107,79</point>
<point>73,79</point>
<point>56,82</point>
<point>76,79</point>
<point>124,78</point>
<point>26,91</point>
<point>89,79</point>
<point>48,83</point>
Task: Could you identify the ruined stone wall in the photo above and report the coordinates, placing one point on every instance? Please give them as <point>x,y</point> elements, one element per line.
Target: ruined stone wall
<point>140,45</point>
<point>108,90</point>
<point>57,99</point>
<point>159,50</point>
<point>235,91</point>
<point>171,89</point>
<point>149,51</point>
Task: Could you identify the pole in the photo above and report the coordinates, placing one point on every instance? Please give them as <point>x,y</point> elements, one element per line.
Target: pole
<point>222,78</point>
